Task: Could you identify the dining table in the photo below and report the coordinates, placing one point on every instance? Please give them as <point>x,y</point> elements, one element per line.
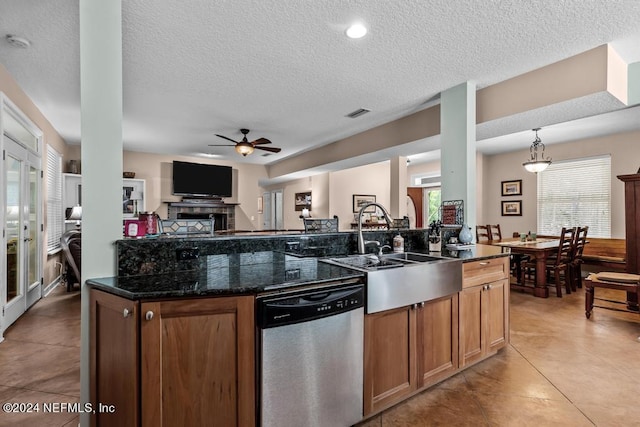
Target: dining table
<point>539,250</point>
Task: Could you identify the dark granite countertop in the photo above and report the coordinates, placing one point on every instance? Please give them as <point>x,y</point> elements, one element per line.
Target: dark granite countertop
<point>249,266</point>
<point>476,252</point>
<point>244,273</point>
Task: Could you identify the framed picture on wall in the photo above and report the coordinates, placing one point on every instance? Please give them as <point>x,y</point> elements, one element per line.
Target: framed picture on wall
<point>303,200</point>
<point>512,208</point>
<point>359,200</point>
<point>512,188</point>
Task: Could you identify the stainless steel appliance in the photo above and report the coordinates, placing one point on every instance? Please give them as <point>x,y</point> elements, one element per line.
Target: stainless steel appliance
<point>311,368</point>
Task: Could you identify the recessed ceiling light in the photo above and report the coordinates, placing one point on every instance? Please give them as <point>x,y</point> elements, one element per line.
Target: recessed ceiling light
<point>16,41</point>
<point>356,31</point>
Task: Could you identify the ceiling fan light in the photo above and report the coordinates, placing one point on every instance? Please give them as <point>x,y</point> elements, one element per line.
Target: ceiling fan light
<point>244,148</point>
<point>356,31</point>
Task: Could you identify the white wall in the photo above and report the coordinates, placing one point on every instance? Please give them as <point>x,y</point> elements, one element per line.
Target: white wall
<point>625,159</point>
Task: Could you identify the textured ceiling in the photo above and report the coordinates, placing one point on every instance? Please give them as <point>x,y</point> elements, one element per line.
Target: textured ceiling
<point>285,69</point>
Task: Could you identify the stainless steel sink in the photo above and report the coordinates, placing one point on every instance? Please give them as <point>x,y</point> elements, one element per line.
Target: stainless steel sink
<point>412,256</point>
<point>421,278</point>
<point>366,262</point>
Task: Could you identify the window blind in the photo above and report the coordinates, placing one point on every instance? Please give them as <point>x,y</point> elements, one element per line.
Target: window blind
<point>576,193</point>
<point>55,221</point>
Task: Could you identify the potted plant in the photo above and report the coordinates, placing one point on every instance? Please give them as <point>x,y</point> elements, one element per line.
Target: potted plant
<point>434,236</point>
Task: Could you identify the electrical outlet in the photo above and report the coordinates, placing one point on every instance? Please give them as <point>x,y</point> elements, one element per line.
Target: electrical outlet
<point>184,254</point>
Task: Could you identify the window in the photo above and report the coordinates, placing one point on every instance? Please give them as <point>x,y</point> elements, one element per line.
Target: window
<point>576,193</point>
<point>54,200</point>
<point>433,198</point>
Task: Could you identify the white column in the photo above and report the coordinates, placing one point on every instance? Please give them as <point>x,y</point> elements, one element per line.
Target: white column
<point>101,130</point>
<point>633,78</point>
<point>458,137</point>
<point>398,187</point>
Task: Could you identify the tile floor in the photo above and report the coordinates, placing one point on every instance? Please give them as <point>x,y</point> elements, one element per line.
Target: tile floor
<point>559,370</point>
<point>40,360</point>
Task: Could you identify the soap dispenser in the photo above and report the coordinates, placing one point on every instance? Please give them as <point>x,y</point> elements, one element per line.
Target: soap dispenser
<point>398,243</point>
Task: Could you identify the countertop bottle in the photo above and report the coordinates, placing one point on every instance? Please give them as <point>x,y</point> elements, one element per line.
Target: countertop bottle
<point>398,243</point>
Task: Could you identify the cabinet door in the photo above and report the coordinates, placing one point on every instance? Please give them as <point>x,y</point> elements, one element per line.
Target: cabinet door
<point>437,340</point>
<point>389,358</point>
<point>471,342</point>
<point>497,298</point>
<point>113,359</point>
<point>198,362</point>
<point>484,320</point>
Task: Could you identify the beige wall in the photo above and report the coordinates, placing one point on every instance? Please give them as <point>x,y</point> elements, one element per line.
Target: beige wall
<point>369,180</point>
<point>625,154</point>
<point>51,139</point>
<point>150,167</point>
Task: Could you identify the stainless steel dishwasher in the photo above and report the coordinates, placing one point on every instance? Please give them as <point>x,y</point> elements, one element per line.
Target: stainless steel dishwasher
<point>311,367</point>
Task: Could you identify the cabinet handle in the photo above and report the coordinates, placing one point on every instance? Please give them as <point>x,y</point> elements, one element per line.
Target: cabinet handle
<point>489,287</point>
<point>485,263</point>
<point>148,315</point>
<point>422,304</point>
<point>126,312</point>
<point>414,306</point>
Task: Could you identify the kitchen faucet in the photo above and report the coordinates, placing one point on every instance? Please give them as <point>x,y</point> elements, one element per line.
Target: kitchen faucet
<point>361,242</point>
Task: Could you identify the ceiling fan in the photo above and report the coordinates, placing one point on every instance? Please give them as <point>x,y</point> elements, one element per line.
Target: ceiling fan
<point>245,147</point>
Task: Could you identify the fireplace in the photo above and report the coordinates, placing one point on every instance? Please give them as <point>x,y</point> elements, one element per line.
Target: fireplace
<point>222,213</point>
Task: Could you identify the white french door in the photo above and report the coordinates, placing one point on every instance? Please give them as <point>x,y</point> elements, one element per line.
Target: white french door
<point>21,217</point>
<point>22,286</point>
<point>273,210</point>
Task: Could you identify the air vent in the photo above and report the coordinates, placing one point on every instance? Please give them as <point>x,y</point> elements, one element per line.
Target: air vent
<point>267,154</point>
<point>358,113</point>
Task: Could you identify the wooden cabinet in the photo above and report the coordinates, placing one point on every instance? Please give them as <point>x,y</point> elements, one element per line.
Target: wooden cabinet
<point>198,362</point>
<point>483,310</point>
<point>195,360</point>
<point>114,363</point>
<point>389,358</point>
<point>437,327</point>
<point>407,349</point>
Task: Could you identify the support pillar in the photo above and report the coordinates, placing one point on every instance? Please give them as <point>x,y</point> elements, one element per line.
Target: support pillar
<point>101,153</point>
<point>458,138</point>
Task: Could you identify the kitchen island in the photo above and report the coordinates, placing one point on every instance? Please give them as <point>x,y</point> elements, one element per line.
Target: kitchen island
<point>184,336</point>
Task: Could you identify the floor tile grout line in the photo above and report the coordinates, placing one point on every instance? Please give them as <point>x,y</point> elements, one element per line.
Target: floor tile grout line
<point>552,384</point>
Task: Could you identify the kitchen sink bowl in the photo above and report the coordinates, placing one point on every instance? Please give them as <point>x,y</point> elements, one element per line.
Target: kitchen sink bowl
<point>401,279</point>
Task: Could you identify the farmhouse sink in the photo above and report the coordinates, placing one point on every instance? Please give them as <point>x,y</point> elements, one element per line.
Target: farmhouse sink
<point>398,280</point>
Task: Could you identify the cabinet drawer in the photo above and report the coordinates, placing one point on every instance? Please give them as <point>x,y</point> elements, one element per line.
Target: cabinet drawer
<point>484,271</point>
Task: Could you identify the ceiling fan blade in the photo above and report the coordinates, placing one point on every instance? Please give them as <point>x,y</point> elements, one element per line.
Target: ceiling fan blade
<point>271,149</point>
<point>228,139</point>
<point>261,141</point>
<point>216,145</point>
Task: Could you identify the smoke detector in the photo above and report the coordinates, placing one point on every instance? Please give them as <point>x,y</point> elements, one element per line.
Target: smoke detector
<point>16,41</point>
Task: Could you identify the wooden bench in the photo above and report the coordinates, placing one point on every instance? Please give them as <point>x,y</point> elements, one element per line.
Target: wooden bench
<point>609,254</point>
<point>606,254</point>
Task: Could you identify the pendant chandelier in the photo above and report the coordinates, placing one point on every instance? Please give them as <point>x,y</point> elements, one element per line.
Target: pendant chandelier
<point>536,164</point>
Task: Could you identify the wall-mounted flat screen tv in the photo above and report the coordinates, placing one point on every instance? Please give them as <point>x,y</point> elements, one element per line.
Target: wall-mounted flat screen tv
<point>200,180</point>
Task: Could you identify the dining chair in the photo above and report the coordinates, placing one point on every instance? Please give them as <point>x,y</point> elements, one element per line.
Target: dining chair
<point>560,263</point>
<point>494,232</point>
<point>482,234</point>
<point>321,225</point>
<point>400,223</point>
<point>580,240</point>
<point>516,261</point>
